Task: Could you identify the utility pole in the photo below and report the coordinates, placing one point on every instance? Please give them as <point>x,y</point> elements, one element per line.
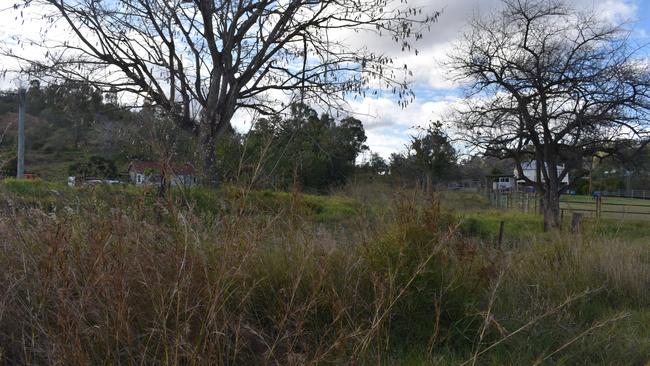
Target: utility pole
<point>22,101</point>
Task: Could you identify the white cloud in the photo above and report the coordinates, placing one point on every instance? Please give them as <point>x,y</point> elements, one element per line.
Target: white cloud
<point>388,126</point>
<point>616,11</point>
<point>381,112</point>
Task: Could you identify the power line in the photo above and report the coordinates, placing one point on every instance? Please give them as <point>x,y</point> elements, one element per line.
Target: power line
<point>12,7</point>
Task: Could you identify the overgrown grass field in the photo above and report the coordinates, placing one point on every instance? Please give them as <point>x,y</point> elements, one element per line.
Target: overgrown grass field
<point>364,276</point>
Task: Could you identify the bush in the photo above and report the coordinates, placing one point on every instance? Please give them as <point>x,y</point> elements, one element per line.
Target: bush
<point>95,166</point>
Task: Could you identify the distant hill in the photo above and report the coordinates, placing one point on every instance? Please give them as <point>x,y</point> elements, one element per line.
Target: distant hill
<point>54,141</point>
<point>46,153</point>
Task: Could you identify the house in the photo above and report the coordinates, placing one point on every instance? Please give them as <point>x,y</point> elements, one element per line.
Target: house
<point>144,173</point>
<point>530,172</point>
<point>503,182</point>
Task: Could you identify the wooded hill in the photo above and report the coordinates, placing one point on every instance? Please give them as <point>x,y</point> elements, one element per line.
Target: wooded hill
<point>66,124</point>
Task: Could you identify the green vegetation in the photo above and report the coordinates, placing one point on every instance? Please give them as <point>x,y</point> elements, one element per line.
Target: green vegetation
<point>74,129</point>
<point>117,274</point>
<point>67,124</point>
<point>304,149</point>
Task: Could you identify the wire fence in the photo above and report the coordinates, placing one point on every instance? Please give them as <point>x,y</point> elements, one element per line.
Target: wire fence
<point>626,193</point>
<point>523,201</point>
<point>599,206</point>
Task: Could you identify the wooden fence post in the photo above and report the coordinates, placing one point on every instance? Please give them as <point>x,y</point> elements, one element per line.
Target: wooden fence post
<point>575,222</point>
<point>500,240</point>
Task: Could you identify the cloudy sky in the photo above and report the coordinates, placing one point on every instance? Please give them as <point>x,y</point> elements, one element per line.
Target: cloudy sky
<point>387,125</point>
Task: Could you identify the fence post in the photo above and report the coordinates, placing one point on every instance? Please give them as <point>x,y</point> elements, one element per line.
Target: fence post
<point>598,206</point>
<point>575,222</point>
<point>500,240</point>
<point>525,203</point>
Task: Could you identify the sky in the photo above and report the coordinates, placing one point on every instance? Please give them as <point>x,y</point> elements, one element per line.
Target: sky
<point>387,125</point>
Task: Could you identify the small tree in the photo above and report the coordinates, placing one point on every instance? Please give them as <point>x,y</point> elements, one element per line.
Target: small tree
<point>95,166</point>
<point>402,168</point>
<point>312,151</point>
<point>550,85</point>
<point>433,154</point>
<point>376,165</point>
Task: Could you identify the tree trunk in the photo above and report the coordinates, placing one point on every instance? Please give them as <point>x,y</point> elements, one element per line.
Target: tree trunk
<point>215,121</point>
<point>551,209</point>
<point>209,172</point>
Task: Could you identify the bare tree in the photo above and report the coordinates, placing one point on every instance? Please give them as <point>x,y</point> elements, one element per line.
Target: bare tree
<point>202,60</point>
<point>550,85</point>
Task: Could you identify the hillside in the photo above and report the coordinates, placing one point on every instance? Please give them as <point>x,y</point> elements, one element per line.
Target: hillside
<point>64,129</point>
<point>47,152</point>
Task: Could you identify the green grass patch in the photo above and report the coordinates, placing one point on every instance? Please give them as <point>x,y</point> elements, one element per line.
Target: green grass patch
<point>485,225</point>
<point>36,192</point>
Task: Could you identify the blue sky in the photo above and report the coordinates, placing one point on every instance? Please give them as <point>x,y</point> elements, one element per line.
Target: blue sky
<point>387,125</point>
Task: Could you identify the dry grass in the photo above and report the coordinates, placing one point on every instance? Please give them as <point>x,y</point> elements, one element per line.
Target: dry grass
<point>120,280</point>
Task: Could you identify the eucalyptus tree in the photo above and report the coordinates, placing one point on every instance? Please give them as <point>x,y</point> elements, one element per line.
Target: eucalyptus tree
<point>552,85</point>
<point>202,60</point>
<point>433,154</point>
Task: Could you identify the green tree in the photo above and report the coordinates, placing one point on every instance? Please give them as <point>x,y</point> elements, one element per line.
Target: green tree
<point>312,151</point>
<point>433,155</point>
<point>402,168</point>
<point>95,166</point>
<point>376,165</point>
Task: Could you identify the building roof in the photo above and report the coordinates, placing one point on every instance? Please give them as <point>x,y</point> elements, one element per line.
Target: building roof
<point>143,166</point>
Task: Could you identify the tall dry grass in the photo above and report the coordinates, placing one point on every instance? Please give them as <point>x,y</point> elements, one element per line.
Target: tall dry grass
<point>123,279</point>
<point>107,283</point>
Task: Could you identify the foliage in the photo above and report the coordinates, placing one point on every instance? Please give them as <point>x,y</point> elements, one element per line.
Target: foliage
<point>430,159</point>
<point>10,166</point>
<point>375,165</point>
<point>433,152</point>
<point>69,123</point>
<point>304,149</point>
<point>95,166</point>
<point>220,57</point>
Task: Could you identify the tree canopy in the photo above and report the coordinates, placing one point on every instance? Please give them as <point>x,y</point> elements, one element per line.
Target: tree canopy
<point>305,149</point>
